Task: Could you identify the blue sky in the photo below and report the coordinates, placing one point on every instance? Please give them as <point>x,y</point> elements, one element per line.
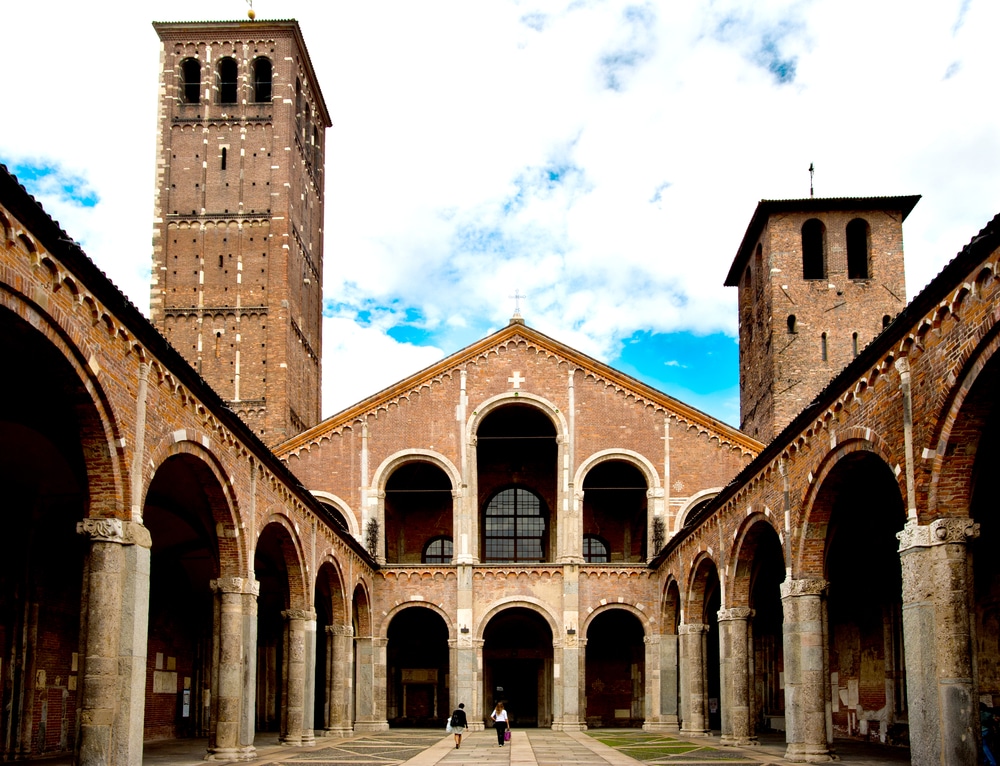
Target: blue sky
<point>601,156</point>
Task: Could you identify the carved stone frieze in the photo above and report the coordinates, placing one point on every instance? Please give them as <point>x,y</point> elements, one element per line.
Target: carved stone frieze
<point>735,613</point>
<point>813,586</point>
<point>105,530</point>
<point>938,532</point>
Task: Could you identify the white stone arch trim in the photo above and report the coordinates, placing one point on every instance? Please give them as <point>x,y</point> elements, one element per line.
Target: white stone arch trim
<point>344,508</point>
<point>648,628</point>
<point>528,602</point>
<point>692,501</point>
<point>397,459</point>
<point>516,397</point>
<point>625,455</point>
<point>383,631</point>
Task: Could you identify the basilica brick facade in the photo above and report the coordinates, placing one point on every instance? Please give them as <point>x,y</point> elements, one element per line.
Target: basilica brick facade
<point>518,521</point>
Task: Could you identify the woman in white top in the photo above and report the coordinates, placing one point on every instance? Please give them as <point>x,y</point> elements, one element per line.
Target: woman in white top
<point>500,723</point>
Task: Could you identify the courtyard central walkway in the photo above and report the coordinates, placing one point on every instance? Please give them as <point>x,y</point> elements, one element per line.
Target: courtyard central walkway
<point>528,747</point>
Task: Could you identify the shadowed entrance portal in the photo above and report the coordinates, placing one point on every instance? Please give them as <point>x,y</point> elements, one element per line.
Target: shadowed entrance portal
<point>517,661</point>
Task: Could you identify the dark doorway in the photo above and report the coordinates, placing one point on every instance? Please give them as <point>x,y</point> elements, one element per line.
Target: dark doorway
<point>616,670</point>
<point>417,657</point>
<point>517,667</point>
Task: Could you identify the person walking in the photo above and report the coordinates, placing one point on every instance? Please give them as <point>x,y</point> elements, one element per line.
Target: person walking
<point>459,723</point>
<point>500,722</point>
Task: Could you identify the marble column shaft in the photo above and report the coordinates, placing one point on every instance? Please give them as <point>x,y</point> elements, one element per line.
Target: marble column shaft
<point>806,684</point>
<point>937,636</point>
<point>293,709</point>
<point>340,653</point>
<point>734,660</point>
<point>694,681</point>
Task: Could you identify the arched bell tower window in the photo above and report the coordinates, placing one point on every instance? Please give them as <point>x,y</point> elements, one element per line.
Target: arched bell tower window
<point>227,80</point>
<point>813,249</point>
<point>858,249</point>
<point>438,551</point>
<point>262,76</point>
<point>190,81</point>
<point>515,527</point>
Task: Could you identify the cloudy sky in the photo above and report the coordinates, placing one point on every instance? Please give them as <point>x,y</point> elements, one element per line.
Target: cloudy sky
<point>601,157</point>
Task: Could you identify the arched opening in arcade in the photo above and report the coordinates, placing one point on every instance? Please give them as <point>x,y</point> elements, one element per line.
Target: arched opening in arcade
<point>670,620</point>
<point>615,670</point>
<point>418,515</point>
<point>518,667</point>
<point>332,652</point>
<point>183,505</point>
<point>864,600</point>
<point>51,442</point>
<point>417,669</point>
<point>516,455</point>
<point>703,610</point>
<point>362,668</point>
<point>275,563</point>
<point>614,513</point>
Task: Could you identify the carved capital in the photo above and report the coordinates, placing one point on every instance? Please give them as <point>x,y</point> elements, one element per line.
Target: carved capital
<point>691,629</point>
<point>938,532</point>
<point>653,640</point>
<point>814,586</point>
<point>105,530</point>
<point>735,613</point>
<point>299,614</point>
<point>340,630</point>
<point>235,585</point>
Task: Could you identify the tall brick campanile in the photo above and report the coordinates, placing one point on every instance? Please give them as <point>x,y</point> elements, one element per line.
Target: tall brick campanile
<point>818,279</point>
<point>238,228</point>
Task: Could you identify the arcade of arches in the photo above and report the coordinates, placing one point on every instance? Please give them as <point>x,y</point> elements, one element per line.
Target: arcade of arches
<point>517,522</point>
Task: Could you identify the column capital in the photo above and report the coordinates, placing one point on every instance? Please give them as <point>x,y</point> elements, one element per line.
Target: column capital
<point>340,630</point>
<point>691,628</point>
<point>735,613</point>
<point>246,585</point>
<point>299,614</point>
<point>119,531</point>
<point>810,586</point>
<point>652,640</point>
<point>939,532</point>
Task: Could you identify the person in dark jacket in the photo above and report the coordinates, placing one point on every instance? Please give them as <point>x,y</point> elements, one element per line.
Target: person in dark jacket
<point>458,723</point>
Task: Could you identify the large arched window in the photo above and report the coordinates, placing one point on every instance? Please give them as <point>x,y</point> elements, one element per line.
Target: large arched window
<point>858,249</point>
<point>596,550</point>
<point>438,550</point>
<point>227,80</point>
<point>813,249</point>
<point>515,527</point>
<point>262,74</point>
<point>190,81</point>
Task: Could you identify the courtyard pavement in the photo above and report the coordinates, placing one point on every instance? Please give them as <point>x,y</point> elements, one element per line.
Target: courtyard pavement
<point>528,747</point>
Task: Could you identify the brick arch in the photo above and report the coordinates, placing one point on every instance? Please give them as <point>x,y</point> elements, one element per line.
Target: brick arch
<point>644,619</point>
<point>395,611</point>
<point>299,596</point>
<point>108,480</point>
<point>528,602</point>
<point>694,500</point>
<point>748,538</point>
<point>516,397</point>
<point>960,416</point>
<point>631,457</point>
<point>809,553</point>
<point>361,608</point>
<point>701,568</point>
<point>388,466</point>
<point>344,508</point>
<point>671,606</point>
<point>330,568</point>
<point>222,500</point>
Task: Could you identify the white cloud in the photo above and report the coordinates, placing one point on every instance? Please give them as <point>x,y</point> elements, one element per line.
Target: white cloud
<point>441,109</point>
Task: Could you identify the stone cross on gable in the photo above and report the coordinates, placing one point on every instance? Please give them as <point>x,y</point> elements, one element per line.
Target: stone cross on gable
<point>517,380</point>
<point>517,296</point>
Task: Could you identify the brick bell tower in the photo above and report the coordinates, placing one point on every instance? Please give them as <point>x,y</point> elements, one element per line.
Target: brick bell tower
<point>238,227</point>
<point>818,279</point>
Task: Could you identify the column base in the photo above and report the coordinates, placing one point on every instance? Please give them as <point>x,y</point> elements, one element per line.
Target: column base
<point>247,753</point>
<point>801,753</point>
<point>338,731</point>
<point>669,727</point>
<point>695,732</point>
<point>309,739</point>
<point>294,741</point>
<point>568,726</point>
<point>731,741</point>
<point>367,727</point>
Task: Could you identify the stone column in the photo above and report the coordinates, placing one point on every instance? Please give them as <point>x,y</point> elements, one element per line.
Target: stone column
<point>652,711</point>
<point>293,709</point>
<point>248,720</point>
<point>309,683</point>
<point>734,661</point>
<point>370,694</point>
<point>693,680</point>
<point>806,683</point>
<point>669,685</point>
<point>113,696</point>
<point>340,653</point>
<point>937,637</point>
<point>465,678</point>
<point>226,740</point>
<point>568,699</point>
